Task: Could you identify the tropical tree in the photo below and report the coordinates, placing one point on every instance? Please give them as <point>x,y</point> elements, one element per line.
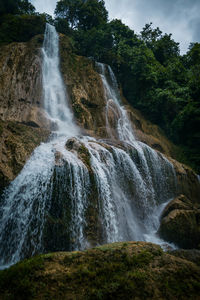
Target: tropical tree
<point>82,14</point>
<point>16,7</point>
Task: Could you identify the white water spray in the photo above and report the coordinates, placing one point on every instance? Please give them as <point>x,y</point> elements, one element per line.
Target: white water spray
<point>55,96</point>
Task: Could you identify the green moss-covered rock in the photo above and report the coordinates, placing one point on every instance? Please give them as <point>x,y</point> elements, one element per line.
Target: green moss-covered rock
<point>132,270</point>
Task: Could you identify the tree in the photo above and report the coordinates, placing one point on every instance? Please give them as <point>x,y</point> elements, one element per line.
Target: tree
<point>68,10</point>
<point>150,35</point>
<point>92,14</point>
<point>163,46</point>
<point>81,14</point>
<point>25,7</point>
<point>9,6</point>
<point>16,7</point>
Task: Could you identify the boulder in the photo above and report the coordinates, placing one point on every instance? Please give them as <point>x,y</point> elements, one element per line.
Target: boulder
<point>180,223</point>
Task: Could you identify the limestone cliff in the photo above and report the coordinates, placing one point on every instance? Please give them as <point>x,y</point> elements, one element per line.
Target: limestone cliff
<point>20,82</point>
<point>21,102</point>
<point>87,99</point>
<point>17,143</point>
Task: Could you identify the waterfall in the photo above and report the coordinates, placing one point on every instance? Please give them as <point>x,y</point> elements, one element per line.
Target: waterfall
<point>55,94</point>
<point>154,176</point>
<point>47,207</point>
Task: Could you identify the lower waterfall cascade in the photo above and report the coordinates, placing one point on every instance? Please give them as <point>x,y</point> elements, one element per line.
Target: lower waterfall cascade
<point>46,207</point>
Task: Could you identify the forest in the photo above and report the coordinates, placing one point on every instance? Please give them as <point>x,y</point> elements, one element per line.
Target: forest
<point>152,74</point>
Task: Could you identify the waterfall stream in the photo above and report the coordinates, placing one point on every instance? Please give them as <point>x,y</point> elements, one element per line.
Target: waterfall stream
<point>46,207</point>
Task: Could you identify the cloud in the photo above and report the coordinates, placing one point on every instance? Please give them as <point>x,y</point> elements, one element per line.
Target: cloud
<point>179,17</point>
<point>47,6</point>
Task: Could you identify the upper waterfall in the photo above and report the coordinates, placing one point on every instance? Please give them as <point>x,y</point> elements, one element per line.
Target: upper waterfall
<point>55,94</point>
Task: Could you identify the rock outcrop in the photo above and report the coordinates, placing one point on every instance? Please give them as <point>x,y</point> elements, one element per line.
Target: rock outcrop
<point>180,223</point>
<point>85,90</point>
<point>17,143</point>
<point>20,82</point>
<point>133,270</point>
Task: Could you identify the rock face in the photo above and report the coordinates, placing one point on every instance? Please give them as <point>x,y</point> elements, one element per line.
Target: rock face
<point>21,102</point>
<point>117,271</point>
<point>20,82</point>
<point>85,90</point>
<point>17,143</point>
<point>180,223</point>
<point>188,182</point>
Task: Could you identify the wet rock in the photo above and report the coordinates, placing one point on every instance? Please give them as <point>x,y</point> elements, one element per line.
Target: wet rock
<point>192,255</point>
<point>181,203</point>
<point>188,183</point>
<point>73,144</point>
<point>180,223</point>
<point>21,83</point>
<point>17,143</point>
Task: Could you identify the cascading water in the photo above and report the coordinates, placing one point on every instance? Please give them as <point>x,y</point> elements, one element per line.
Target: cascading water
<point>29,198</point>
<point>153,174</point>
<point>46,207</point>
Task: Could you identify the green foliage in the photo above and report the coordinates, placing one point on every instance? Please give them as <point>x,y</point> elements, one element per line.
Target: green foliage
<point>83,15</point>
<point>21,275</point>
<point>163,46</point>
<point>9,7</point>
<point>20,28</point>
<point>16,7</point>
<point>25,7</point>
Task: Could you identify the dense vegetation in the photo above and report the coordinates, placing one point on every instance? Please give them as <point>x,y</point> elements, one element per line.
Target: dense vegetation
<point>154,77</point>
<point>19,22</point>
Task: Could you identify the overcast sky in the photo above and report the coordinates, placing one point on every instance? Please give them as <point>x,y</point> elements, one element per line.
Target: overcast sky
<point>179,17</point>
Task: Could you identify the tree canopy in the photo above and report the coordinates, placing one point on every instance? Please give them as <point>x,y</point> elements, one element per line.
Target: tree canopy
<point>82,14</point>
<point>16,7</point>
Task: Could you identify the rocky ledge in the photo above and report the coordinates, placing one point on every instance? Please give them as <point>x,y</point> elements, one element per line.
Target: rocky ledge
<point>132,270</point>
<point>180,223</point>
<point>17,143</point>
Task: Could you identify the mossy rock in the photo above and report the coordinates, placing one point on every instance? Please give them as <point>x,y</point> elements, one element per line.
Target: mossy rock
<point>180,223</point>
<point>131,270</point>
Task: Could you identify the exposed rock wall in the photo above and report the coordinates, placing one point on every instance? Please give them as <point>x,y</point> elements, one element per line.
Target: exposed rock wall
<point>180,223</point>
<point>85,90</point>
<point>17,143</point>
<point>20,82</point>
<point>21,101</point>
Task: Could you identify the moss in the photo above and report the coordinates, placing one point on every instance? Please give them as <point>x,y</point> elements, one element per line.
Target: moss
<point>129,270</point>
<point>23,278</point>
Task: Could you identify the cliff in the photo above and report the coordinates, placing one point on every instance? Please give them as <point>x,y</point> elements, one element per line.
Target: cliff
<point>24,124</point>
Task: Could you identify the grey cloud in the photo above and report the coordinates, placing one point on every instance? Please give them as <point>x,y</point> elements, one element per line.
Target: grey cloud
<point>195,25</point>
<point>179,17</point>
<point>47,6</point>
